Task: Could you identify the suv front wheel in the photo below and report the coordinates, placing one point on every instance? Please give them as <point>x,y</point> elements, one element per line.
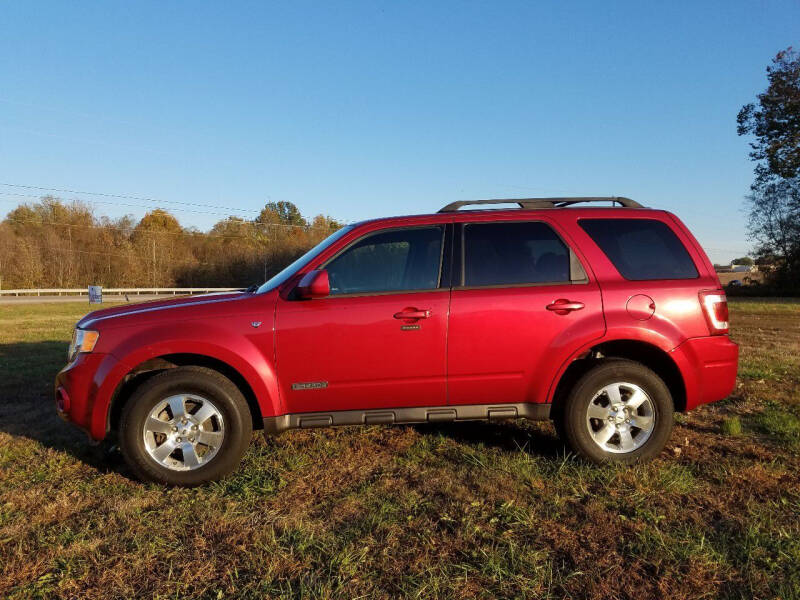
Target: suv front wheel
<point>619,411</point>
<point>185,426</point>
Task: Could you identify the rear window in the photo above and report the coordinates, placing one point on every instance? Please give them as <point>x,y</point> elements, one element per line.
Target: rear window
<point>641,249</point>
<point>514,253</point>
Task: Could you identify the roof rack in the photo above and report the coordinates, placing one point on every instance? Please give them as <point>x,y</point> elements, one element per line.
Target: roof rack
<point>543,202</point>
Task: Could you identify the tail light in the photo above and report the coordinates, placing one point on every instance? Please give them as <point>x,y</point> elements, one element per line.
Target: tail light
<point>715,308</point>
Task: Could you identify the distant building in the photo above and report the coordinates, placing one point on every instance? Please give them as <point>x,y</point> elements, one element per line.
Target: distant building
<point>743,268</point>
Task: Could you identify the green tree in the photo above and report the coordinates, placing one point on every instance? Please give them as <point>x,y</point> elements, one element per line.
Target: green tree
<point>324,225</point>
<point>774,203</point>
<point>744,260</point>
<point>283,213</point>
<point>774,225</point>
<point>774,120</point>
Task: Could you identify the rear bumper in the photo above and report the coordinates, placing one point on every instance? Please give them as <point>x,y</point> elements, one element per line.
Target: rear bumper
<point>709,366</point>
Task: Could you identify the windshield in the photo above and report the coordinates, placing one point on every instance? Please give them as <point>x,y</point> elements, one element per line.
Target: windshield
<point>301,262</point>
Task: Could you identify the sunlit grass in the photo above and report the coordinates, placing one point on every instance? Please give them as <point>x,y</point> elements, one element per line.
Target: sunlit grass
<point>476,510</point>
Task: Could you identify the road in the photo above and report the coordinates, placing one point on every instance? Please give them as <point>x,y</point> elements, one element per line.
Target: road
<point>61,299</point>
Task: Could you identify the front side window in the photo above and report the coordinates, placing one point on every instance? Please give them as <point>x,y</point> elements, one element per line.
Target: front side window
<point>641,249</point>
<point>514,254</point>
<point>390,261</point>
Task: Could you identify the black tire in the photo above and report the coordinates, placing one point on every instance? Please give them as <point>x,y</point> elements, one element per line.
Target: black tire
<point>199,381</point>
<point>576,428</point>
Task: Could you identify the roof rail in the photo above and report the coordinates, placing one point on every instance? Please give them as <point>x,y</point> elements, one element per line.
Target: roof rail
<point>543,202</point>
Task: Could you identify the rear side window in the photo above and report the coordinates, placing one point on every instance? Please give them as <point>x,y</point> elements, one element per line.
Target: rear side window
<point>641,249</point>
<point>514,253</point>
<point>390,261</point>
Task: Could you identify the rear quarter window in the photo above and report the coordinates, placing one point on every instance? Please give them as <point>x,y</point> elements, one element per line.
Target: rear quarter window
<point>641,249</point>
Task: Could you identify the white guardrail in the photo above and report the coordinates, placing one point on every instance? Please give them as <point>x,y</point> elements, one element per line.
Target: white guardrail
<point>115,291</point>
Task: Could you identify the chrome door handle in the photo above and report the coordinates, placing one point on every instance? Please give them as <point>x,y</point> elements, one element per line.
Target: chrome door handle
<point>410,313</point>
<point>563,306</point>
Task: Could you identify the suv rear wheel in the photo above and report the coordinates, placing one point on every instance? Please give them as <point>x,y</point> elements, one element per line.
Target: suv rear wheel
<point>619,411</point>
<point>185,426</point>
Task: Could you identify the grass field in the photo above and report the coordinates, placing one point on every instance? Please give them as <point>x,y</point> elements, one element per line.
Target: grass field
<point>468,511</point>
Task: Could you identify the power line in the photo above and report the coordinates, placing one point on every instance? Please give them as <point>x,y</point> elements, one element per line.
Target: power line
<point>138,198</point>
<point>225,236</point>
<point>228,236</point>
<point>195,204</point>
<point>251,223</point>
<point>154,232</point>
<point>121,228</point>
<point>126,197</point>
<point>120,255</point>
<point>740,250</point>
<point>128,204</point>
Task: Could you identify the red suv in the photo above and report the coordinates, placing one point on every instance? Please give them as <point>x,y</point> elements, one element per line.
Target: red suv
<point>605,319</point>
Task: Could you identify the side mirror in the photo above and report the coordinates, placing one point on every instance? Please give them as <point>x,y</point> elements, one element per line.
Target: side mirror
<point>314,284</point>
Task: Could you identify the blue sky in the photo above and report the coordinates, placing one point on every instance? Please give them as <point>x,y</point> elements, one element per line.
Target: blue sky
<point>363,109</point>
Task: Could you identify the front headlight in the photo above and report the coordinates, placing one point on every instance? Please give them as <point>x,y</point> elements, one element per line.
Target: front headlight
<point>83,340</point>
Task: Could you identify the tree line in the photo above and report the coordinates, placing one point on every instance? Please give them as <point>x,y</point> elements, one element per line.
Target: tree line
<point>54,243</point>
<point>773,125</point>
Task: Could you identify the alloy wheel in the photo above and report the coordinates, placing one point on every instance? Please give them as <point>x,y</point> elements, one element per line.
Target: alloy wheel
<point>183,432</point>
<point>620,417</point>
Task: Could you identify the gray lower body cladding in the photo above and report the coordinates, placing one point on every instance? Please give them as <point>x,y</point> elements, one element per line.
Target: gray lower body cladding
<point>401,416</point>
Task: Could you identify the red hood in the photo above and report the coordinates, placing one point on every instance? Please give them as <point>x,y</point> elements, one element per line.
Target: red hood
<point>155,305</point>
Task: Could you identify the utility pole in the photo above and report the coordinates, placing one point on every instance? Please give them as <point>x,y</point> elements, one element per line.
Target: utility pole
<point>154,261</point>
<point>70,256</point>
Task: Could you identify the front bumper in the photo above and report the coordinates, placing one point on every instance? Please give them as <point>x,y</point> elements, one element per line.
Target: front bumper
<point>709,366</point>
<point>83,391</point>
